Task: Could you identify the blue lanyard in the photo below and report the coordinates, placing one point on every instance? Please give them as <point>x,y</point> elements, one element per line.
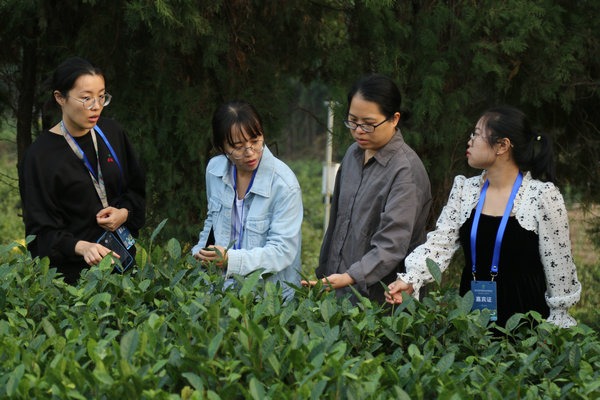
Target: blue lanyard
<point>238,245</point>
<point>96,177</point>
<point>110,148</point>
<point>501,228</point>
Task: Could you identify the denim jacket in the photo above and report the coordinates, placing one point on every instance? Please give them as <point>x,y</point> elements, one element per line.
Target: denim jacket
<point>273,213</point>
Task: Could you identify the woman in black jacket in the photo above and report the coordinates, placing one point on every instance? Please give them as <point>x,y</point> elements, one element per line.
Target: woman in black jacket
<point>80,178</point>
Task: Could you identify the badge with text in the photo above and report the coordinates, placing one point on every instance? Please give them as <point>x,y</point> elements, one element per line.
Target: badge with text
<point>125,236</point>
<point>484,293</point>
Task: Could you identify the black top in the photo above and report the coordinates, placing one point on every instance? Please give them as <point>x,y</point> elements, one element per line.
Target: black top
<point>521,283</point>
<point>60,202</point>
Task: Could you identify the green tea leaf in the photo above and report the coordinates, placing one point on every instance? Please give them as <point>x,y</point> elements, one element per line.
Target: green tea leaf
<point>466,303</point>
<point>129,343</point>
<point>12,386</point>
<point>446,362</point>
<point>178,277</point>
<point>513,321</point>
<point>174,249</point>
<point>194,380</point>
<point>214,344</point>
<point>157,230</point>
<point>400,394</point>
<point>250,283</point>
<point>144,285</point>
<point>575,356</point>
<point>257,390</point>
<point>48,327</point>
<point>275,364</point>
<point>98,299</point>
<point>434,270</point>
<point>103,377</point>
<point>413,350</point>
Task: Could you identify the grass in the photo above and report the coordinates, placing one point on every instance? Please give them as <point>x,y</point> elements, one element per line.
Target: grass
<point>11,225</point>
<point>587,259</point>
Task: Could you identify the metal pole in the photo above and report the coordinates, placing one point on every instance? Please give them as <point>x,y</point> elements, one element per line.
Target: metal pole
<point>328,165</point>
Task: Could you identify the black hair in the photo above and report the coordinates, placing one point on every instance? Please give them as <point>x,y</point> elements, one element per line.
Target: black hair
<point>380,90</point>
<point>532,151</point>
<point>235,116</point>
<point>69,71</point>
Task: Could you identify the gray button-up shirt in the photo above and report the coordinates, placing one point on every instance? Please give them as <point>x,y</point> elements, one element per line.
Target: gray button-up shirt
<point>378,215</point>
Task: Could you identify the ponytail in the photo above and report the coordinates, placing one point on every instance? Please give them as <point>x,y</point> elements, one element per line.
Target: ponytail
<point>542,161</point>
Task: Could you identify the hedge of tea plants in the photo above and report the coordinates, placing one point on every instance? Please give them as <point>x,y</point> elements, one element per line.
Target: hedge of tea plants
<point>168,330</point>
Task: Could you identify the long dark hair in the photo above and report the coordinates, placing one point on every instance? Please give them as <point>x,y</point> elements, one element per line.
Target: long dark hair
<point>532,151</point>
<point>380,90</point>
<point>235,116</point>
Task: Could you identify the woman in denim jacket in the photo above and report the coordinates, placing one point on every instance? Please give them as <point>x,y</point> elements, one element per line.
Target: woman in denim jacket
<point>254,202</point>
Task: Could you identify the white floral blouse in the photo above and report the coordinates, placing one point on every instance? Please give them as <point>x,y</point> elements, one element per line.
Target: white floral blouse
<point>538,207</point>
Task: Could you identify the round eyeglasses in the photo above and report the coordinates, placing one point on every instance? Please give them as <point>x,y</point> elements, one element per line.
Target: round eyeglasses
<point>238,152</point>
<point>89,102</point>
<point>368,128</point>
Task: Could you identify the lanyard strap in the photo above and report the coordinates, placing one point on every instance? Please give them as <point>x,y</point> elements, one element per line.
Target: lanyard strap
<point>97,179</point>
<point>501,228</point>
<point>238,244</point>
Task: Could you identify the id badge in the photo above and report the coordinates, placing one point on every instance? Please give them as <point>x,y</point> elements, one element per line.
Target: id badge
<point>484,293</point>
<point>125,236</point>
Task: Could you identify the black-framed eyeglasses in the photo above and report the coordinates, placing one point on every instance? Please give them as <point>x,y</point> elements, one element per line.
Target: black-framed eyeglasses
<point>238,152</point>
<point>89,102</point>
<point>368,128</point>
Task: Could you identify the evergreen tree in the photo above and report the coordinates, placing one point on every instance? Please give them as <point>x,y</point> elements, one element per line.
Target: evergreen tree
<point>169,63</point>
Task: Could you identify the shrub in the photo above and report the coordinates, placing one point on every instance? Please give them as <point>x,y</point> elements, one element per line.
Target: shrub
<point>168,330</point>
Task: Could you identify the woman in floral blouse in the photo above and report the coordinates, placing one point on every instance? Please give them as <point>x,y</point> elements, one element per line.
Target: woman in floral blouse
<point>514,218</point>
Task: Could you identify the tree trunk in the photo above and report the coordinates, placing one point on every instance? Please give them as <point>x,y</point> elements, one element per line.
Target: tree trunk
<point>26,95</point>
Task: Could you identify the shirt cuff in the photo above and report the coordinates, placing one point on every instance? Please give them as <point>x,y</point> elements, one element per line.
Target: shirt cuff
<point>234,263</point>
<point>560,317</point>
<point>416,283</point>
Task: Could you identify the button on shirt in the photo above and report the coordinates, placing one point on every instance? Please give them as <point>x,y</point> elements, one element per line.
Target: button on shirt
<point>379,214</point>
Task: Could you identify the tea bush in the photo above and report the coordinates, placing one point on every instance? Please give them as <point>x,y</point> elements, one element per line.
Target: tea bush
<point>168,330</point>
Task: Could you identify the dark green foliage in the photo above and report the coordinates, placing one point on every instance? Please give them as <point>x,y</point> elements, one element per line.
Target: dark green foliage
<point>309,175</point>
<point>168,330</point>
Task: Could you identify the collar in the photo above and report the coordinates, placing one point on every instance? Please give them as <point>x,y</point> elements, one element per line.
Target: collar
<point>481,180</point>
<point>384,154</point>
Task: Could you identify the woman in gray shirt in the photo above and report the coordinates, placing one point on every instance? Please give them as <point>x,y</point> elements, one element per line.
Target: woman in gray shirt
<point>381,199</point>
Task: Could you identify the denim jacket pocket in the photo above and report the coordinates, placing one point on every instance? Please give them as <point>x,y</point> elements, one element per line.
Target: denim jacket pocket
<point>257,231</point>
<point>214,211</point>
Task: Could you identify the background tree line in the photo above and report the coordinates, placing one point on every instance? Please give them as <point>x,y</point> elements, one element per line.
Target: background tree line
<point>169,63</point>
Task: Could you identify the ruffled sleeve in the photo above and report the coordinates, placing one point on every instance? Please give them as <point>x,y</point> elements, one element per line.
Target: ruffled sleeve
<point>443,242</point>
<point>563,287</point>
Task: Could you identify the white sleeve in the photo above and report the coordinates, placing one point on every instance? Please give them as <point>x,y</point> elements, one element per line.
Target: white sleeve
<point>563,288</point>
<point>441,243</point>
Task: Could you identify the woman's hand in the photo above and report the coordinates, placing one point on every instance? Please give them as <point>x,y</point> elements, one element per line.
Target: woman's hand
<point>110,218</point>
<point>92,253</point>
<point>333,281</point>
<point>394,296</point>
<point>216,254</point>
